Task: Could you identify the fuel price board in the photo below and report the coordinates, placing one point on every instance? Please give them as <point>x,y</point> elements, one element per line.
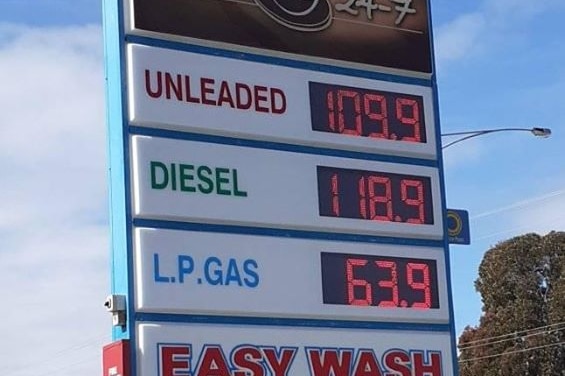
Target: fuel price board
<point>276,197</point>
<point>212,183</point>
<point>204,94</point>
<point>245,275</point>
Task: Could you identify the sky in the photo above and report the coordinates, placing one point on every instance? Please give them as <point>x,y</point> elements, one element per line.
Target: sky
<point>500,63</point>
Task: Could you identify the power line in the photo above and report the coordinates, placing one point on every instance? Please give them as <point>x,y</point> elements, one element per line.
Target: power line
<point>512,352</point>
<point>515,333</point>
<point>53,358</point>
<point>520,336</point>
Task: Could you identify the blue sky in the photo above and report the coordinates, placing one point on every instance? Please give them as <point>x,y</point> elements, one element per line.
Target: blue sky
<point>500,64</point>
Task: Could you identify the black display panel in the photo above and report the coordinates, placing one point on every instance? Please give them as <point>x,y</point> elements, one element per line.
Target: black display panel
<point>379,281</point>
<point>373,195</point>
<point>367,113</point>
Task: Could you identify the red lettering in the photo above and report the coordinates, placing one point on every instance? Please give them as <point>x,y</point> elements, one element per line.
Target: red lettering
<point>413,120</point>
<point>247,359</point>
<point>177,86</point>
<point>418,202</point>
<point>431,368</point>
<point>367,364</point>
<point>352,283</point>
<point>341,94</point>
<point>279,366</point>
<point>391,283</point>
<point>174,359</point>
<point>173,85</point>
<point>331,111</point>
<point>329,364</point>
<point>213,362</point>
<point>380,116</point>
<point>206,88</point>
<point>225,95</point>
<point>189,98</point>
<point>153,93</point>
<point>260,98</point>
<point>422,286</point>
<point>240,103</point>
<point>281,108</point>
<point>335,195</point>
<point>398,362</point>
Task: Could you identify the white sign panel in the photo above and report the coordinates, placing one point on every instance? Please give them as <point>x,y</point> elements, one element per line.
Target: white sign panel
<point>223,184</point>
<point>215,95</point>
<point>185,349</point>
<point>209,273</point>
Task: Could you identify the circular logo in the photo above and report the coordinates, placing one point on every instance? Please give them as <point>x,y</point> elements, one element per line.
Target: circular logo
<point>454,224</point>
<point>303,15</point>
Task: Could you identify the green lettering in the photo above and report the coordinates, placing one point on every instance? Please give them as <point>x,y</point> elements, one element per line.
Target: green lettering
<point>207,184</point>
<point>185,175</point>
<point>174,176</point>
<point>222,180</point>
<point>155,184</point>
<point>236,190</point>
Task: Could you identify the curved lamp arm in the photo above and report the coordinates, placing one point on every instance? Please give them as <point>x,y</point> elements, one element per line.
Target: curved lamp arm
<point>536,131</point>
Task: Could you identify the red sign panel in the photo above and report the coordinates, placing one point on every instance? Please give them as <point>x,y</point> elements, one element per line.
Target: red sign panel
<point>115,359</point>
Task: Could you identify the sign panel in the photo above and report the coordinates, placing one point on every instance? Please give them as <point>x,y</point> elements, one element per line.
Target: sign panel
<point>210,273</point>
<point>116,359</point>
<point>388,33</point>
<point>213,183</point>
<point>206,94</point>
<point>458,227</point>
<point>185,349</point>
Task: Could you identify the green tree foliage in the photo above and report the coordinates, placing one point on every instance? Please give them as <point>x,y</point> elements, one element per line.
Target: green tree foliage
<point>522,328</point>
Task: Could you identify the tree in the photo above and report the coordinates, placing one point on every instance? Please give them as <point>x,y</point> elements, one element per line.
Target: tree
<point>522,328</point>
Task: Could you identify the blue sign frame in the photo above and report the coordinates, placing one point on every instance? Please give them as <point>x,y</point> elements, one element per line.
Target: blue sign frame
<point>123,223</point>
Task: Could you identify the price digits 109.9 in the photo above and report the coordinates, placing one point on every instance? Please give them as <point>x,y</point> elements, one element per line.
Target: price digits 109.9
<point>367,113</point>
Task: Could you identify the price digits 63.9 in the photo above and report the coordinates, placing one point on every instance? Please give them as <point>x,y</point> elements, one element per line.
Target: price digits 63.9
<point>388,282</point>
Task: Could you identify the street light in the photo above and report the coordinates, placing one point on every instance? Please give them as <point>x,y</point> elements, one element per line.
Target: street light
<point>536,131</point>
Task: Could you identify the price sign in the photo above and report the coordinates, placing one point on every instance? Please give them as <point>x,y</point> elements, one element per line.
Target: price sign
<point>206,94</point>
<point>198,182</point>
<point>228,274</point>
<point>309,124</point>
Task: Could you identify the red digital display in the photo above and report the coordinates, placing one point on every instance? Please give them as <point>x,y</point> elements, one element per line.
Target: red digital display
<point>367,113</point>
<point>376,196</point>
<point>379,281</point>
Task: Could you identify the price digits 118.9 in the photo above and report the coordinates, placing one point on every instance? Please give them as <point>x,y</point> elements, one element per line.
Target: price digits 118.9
<point>374,195</point>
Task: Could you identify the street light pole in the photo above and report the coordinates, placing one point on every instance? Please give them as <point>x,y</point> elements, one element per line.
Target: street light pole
<point>536,131</point>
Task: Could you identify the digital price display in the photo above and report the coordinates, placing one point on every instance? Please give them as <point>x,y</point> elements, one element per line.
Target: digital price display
<point>248,275</point>
<point>366,280</point>
<point>191,92</point>
<point>376,196</point>
<point>367,113</point>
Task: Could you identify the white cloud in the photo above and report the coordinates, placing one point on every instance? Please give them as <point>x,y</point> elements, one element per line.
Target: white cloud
<point>52,148</point>
<point>487,27</point>
<point>54,268</point>
<point>459,37</point>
